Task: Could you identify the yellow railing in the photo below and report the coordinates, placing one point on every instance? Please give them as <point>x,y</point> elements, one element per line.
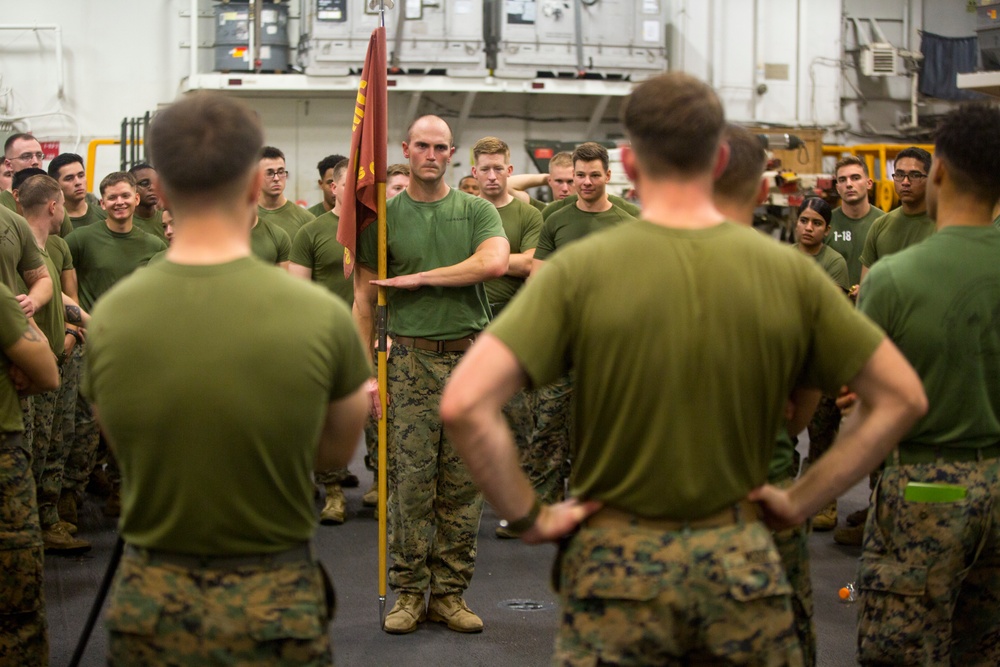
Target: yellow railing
<point>92,157</point>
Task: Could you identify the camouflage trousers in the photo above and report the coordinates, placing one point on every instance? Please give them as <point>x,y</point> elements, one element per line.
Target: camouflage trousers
<point>546,459</point>
<point>637,596</point>
<point>51,483</point>
<point>23,630</point>
<point>44,408</point>
<point>823,427</point>
<point>28,419</point>
<point>371,444</point>
<point>793,547</point>
<point>331,476</point>
<point>79,428</point>
<point>164,614</point>
<point>434,507</point>
<point>930,572</point>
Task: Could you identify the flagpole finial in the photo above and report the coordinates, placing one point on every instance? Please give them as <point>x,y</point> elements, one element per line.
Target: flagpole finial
<point>381,4</point>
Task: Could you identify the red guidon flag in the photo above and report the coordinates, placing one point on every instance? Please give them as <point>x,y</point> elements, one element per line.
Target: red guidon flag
<point>369,138</point>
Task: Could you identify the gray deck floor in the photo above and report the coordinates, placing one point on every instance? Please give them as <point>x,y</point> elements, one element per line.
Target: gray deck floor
<point>506,570</point>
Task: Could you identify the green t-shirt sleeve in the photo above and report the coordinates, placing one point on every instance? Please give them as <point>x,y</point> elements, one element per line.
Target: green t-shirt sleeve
<point>13,323</point>
<point>870,255</point>
<point>301,251</point>
<point>531,230</point>
<point>625,205</point>
<point>876,299</point>
<point>31,257</point>
<point>67,226</point>
<point>546,241</point>
<point>556,206</point>
<point>282,244</point>
<point>73,243</point>
<point>486,223</point>
<point>535,325</point>
<point>351,367</point>
<point>537,204</point>
<point>838,270</point>
<point>842,340</point>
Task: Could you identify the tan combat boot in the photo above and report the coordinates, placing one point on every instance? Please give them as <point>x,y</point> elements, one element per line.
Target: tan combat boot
<point>370,499</point>
<point>826,518</point>
<point>405,614</point>
<point>451,609</point>
<point>57,540</point>
<point>333,512</point>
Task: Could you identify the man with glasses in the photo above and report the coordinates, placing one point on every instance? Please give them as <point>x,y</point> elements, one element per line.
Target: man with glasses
<point>147,217</point>
<point>20,151</point>
<point>272,205</point>
<point>908,224</point>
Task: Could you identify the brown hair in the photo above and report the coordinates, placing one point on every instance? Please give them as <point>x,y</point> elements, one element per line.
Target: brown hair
<point>561,159</point>
<point>849,160</point>
<point>675,123</point>
<point>116,177</point>
<point>491,146</point>
<point>206,143</point>
<point>590,151</point>
<point>396,170</point>
<point>37,192</point>
<point>740,182</point>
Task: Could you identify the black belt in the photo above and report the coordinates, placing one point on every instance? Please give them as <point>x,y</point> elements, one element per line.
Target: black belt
<point>11,439</point>
<point>918,454</point>
<point>300,554</point>
<point>428,345</point>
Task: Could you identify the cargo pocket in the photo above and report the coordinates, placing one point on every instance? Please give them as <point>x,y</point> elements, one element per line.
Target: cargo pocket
<point>887,576</point>
<point>894,621</point>
<point>755,575</point>
<point>21,593</point>
<point>132,613</point>
<point>299,620</point>
<point>609,579</point>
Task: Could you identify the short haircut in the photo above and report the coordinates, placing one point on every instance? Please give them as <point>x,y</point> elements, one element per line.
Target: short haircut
<point>590,151</point>
<point>205,144</point>
<point>23,175</point>
<point>491,146</point>
<point>968,141</point>
<point>674,122</point>
<point>136,168</point>
<point>849,160</point>
<point>61,160</point>
<point>340,168</point>
<point>740,182</point>
<point>116,177</point>
<point>818,205</point>
<point>16,137</point>
<point>561,159</point>
<point>399,169</point>
<point>918,154</point>
<point>271,153</point>
<point>37,191</point>
<point>451,133</point>
<point>328,163</point>
<point>469,177</point>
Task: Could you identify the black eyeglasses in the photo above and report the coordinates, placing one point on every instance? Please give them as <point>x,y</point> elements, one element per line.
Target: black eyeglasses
<point>912,175</point>
<point>280,173</point>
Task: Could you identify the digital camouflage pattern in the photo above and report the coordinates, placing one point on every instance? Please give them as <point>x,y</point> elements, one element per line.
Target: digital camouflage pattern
<point>79,429</point>
<point>332,476</point>
<point>635,596</point>
<point>50,487</point>
<point>546,459</point>
<point>929,575</point>
<point>44,406</point>
<point>23,631</point>
<point>793,547</point>
<point>162,614</point>
<point>434,507</point>
<point>520,414</point>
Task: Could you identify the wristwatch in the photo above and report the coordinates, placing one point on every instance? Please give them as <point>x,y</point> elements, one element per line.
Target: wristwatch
<point>526,521</point>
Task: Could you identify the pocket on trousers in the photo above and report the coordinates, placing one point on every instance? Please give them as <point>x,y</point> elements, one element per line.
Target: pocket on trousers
<point>756,575</point>
<point>612,580</point>
<point>267,623</point>
<point>133,614</point>
<point>886,576</point>
<point>21,591</point>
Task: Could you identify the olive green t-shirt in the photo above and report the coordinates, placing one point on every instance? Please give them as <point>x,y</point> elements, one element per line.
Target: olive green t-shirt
<point>316,248</point>
<point>269,242</point>
<point>289,217</point>
<point>51,318</point>
<point>894,231</point>
<point>214,411</point>
<point>7,200</point>
<point>683,364</point>
<point>782,463</point>
<point>18,250</point>
<point>103,257</point>
<point>833,265</point>
<point>572,224</point>
<point>537,203</point>
<point>317,210</point>
<point>939,302</point>
<point>522,224</point>
<point>847,236</point>
<point>13,324</point>
<point>94,214</point>
<point>428,235</point>
<point>555,206</point>
<point>152,225</point>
